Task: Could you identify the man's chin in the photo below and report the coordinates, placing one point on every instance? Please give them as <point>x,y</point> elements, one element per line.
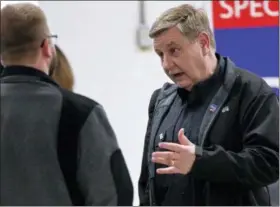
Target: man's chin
<point>184,85</point>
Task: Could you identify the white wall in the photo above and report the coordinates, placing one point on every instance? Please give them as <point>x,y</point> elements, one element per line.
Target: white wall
<point>4,3</point>
<point>99,39</point>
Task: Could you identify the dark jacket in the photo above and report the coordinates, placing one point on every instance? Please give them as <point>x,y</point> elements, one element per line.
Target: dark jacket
<point>57,147</point>
<point>1,68</point>
<point>237,155</point>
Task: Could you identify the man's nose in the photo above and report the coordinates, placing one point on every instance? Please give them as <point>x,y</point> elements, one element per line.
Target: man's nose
<point>167,63</point>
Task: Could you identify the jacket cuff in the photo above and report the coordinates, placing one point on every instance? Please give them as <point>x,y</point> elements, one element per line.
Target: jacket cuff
<point>198,151</point>
<point>199,156</point>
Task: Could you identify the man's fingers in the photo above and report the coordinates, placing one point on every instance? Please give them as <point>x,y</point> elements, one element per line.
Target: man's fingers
<point>182,138</point>
<point>160,160</point>
<point>166,155</point>
<point>171,146</point>
<point>168,170</point>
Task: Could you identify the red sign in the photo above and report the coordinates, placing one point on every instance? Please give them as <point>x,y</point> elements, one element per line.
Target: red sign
<point>245,13</point>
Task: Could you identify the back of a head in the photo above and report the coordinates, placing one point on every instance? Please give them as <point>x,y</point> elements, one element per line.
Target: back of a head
<point>23,28</point>
<point>62,73</point>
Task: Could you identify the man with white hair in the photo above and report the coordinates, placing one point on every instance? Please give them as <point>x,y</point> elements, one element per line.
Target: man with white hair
<point>213,136</point>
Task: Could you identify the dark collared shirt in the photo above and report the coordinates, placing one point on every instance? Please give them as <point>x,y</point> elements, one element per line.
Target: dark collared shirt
<point>186,112</point>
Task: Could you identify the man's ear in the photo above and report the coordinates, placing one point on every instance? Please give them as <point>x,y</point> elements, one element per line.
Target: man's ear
<point>46,48</point>
<point>204,41</point>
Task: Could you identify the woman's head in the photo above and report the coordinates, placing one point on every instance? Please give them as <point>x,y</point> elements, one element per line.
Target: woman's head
<point>62,72</point>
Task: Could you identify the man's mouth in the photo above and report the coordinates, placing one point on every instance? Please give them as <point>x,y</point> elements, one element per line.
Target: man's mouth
<point>177,75</point>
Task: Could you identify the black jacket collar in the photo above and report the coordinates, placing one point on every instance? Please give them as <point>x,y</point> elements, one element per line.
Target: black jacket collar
<point>16,70</point>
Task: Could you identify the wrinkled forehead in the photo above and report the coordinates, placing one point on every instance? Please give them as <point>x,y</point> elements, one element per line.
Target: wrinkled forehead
<point>169,38</point>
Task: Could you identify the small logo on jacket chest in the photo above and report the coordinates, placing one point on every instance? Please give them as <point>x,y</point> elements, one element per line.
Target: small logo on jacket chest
<point>213,107</point>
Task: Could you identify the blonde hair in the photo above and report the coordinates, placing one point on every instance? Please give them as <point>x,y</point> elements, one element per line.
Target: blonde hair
<point>63,73</point>
<point>189,20</point>
<point>23,29</point>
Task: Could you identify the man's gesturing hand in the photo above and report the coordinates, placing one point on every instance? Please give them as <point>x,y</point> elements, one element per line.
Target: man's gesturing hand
<point>179,158</point>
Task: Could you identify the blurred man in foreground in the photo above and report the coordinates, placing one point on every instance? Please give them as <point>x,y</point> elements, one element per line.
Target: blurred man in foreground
<point>213,136</point>
<point>57,147</point>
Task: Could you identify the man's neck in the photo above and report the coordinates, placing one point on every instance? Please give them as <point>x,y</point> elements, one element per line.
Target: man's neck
<point>210,66</point>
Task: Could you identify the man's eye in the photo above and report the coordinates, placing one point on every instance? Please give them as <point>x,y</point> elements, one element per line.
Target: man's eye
<point>174,51</point>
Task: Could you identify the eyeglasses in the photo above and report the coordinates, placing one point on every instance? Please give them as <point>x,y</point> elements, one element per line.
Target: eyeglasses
<point>53,37</point>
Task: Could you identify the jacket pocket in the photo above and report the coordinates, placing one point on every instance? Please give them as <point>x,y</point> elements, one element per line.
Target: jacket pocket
<point>223,195</point>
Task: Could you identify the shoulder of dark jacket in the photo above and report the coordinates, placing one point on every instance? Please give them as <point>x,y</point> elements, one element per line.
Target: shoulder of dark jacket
<point>252,84</point>
<point>77,107</point>
<point>252,91</point>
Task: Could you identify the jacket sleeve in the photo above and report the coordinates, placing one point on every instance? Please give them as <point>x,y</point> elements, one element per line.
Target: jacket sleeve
<point>144,176</point>
<point>257,164</point>
<point>102,174</point>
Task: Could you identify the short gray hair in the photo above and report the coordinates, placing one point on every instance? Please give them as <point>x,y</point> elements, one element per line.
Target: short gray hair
<point>189,20</point>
